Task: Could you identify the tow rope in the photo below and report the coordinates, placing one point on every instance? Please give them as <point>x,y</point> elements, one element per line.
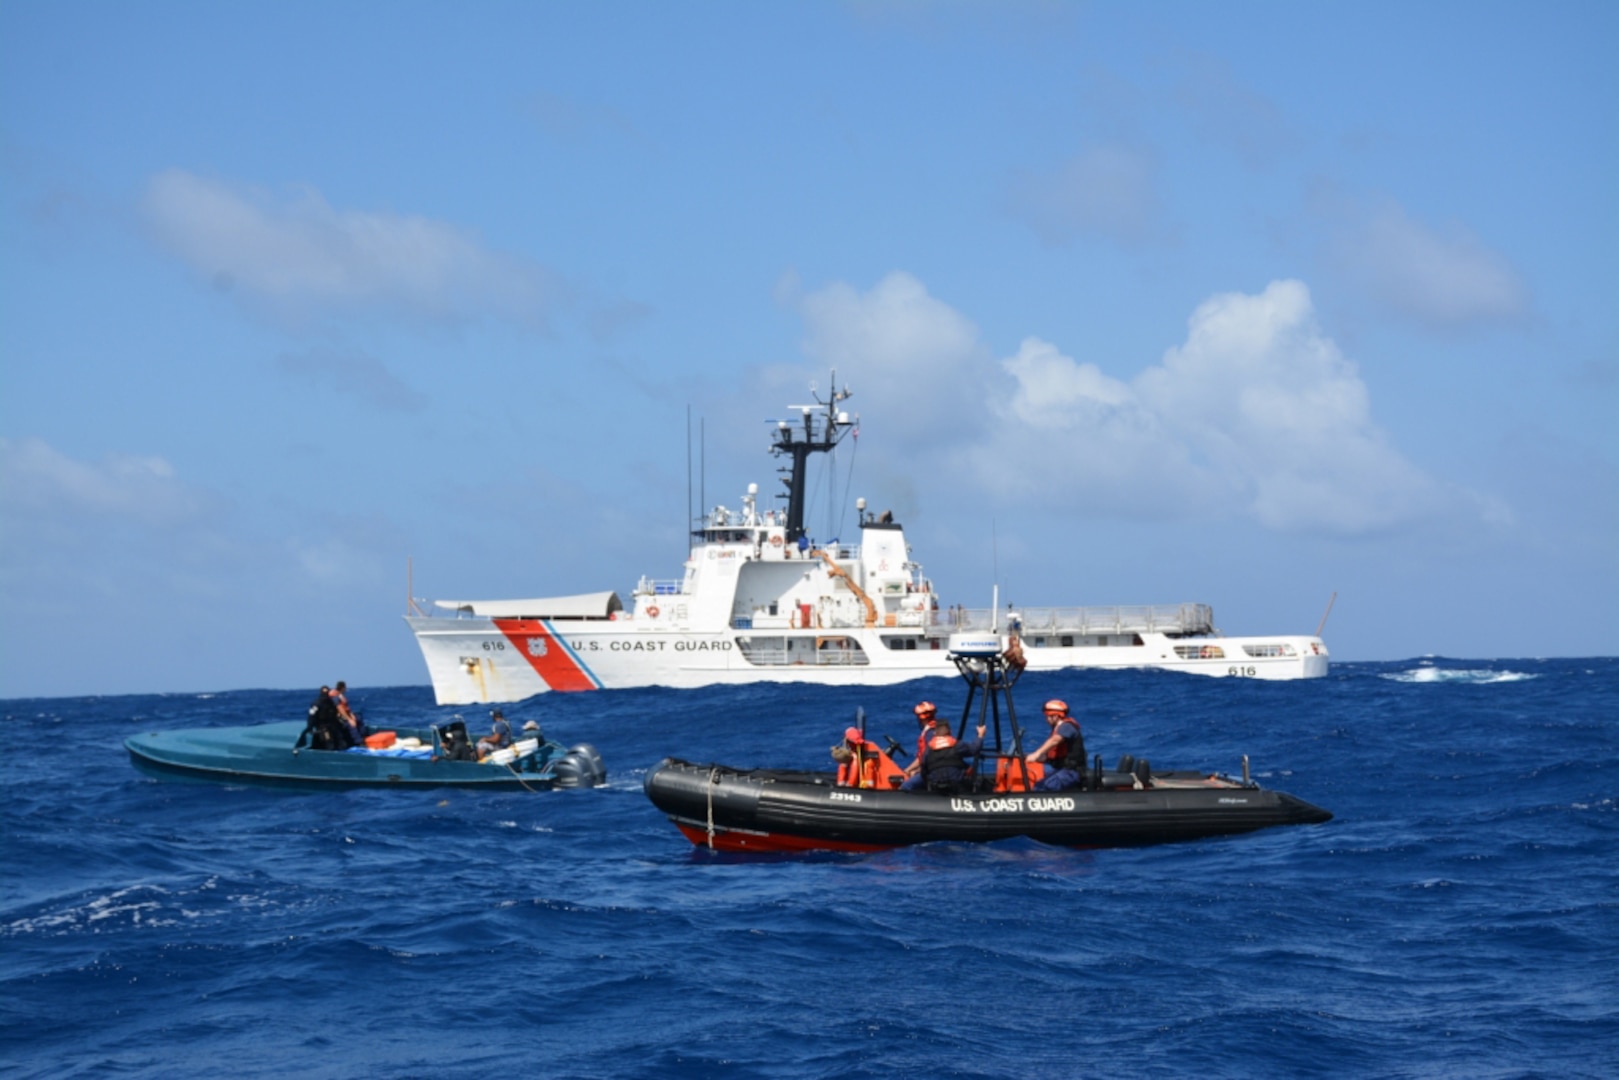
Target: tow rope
<point>512,768</point>
<point>713,782</point>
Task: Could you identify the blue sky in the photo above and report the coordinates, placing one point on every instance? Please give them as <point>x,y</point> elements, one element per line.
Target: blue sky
<point>1241,303</point>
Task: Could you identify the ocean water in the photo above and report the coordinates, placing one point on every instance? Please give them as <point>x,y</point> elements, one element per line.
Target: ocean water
<point>1459,917</point>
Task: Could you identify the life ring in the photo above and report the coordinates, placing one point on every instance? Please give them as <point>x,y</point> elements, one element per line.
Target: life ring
<point>776,541</point>
<point>652,612</point>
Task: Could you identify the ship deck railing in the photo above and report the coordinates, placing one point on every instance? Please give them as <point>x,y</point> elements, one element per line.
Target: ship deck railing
<point>1173,619</point>
<point>767,656</point>
<point>1136,619</point>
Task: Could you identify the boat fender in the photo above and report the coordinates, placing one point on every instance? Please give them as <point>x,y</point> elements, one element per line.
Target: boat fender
<point>1144,771</point>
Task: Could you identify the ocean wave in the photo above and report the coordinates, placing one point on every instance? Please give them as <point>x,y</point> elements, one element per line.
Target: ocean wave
<point>265,932</point>
<point>1475,676</point>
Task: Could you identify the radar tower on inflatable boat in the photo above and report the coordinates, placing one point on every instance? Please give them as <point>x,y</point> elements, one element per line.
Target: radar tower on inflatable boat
<point>990,673</point>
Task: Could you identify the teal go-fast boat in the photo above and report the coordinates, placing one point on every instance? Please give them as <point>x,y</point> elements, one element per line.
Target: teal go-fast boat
<point>418,757</point>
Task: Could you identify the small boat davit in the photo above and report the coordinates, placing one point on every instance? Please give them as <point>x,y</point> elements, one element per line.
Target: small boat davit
<point>269,754</point>
<point>861,809</point>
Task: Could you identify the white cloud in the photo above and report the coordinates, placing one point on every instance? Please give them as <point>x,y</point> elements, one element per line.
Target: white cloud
<point>1067,429</point>
<point>302,257</point>
<point>1260,393</point>
<point>1257,413</point>
<point>1106,192</point>
<point>132,527</point>
<point>37,481</point>
<point>333,561</point>
<point>912,356</point>
<point>1233,114</point>
<point>360,376</point>
<point>1445,278</point>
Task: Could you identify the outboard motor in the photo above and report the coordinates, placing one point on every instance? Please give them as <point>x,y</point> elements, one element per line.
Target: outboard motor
<point>581,766</point>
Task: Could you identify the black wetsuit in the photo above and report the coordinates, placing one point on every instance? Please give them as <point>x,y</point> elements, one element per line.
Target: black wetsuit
<point>325,730</point>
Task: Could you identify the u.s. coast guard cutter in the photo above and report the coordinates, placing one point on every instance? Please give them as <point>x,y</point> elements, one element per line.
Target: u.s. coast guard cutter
<point>759,602</point>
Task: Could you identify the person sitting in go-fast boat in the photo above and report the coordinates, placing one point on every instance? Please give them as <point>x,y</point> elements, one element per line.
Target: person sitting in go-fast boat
<point>499,737</point>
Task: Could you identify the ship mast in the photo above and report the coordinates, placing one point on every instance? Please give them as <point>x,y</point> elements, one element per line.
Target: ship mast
<point>823,428</point>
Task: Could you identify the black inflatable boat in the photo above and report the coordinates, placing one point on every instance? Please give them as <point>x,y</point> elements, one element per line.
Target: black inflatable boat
<point>783,810</point>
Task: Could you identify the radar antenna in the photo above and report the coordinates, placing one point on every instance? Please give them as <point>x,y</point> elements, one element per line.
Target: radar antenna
<point>822,427</point>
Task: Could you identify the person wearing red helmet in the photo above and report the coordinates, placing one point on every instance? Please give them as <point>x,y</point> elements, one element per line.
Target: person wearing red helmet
<point>927,718</point>
<point>862,763</point>
<point>942,765</point>
<point>1063,752</point>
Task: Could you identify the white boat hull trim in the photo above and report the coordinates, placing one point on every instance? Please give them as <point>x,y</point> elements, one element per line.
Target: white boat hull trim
<point>474,660</point>
<point>759,602</point>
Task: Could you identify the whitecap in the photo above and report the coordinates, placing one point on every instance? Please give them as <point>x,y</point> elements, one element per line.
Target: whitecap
<point>1475,676</point>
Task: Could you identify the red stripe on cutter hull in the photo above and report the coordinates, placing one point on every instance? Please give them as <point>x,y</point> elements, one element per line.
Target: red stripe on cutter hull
<point>546,654</point>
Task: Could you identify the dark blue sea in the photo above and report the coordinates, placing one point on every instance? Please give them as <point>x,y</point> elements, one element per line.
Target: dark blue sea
<point>1458,918</point>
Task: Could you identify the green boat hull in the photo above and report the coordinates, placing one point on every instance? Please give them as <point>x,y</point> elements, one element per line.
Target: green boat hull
<point>267,754</point>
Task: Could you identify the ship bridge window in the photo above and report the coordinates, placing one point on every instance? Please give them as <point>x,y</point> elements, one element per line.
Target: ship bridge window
<point>900,644</point>
<point>1270,649</point>
<point>1200,652</point>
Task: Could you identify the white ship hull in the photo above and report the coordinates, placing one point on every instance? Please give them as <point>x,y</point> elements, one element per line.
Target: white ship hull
<point>480,660</point>
<point>759,602</point>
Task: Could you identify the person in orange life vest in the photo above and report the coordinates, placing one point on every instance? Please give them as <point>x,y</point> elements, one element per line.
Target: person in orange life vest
<point>944,762</point>
<point>927,718</point>
<point>340,698</point>
<point>857,760</point>
<point>324,730</point>
<point>1063,753</point>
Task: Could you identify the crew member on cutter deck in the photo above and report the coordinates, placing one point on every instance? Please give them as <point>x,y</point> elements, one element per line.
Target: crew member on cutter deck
<point>944,767</point>
<point>1063,753</point>
<point>927,718</point>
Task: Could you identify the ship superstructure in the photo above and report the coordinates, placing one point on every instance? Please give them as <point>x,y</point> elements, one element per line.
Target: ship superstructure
<point>760,602</point>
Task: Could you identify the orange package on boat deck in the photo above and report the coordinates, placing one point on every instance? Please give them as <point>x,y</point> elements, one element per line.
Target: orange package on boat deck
<point>380,741</point>
<point>1009,774</point>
